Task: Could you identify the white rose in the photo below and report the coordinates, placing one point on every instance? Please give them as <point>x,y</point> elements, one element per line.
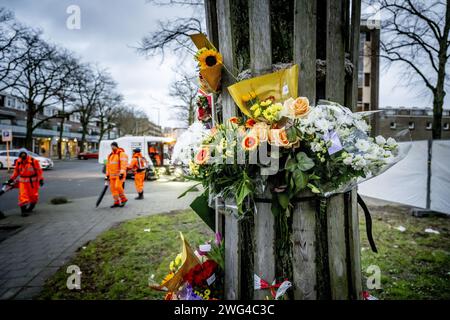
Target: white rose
<point>362,145</point>
<point>362,125</point>
<point>391,142</point>
<point>322,124</point>
<point>380,140</point>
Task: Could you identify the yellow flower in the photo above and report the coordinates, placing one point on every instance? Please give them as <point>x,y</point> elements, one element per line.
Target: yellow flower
<point>178,260</point>
<point>266,103</point>
<point>257,113</point>
<point>168,277</point>
<point>254,107</point>
<point>209,58</point>
<point>194,168</point>
<point>172,266</point>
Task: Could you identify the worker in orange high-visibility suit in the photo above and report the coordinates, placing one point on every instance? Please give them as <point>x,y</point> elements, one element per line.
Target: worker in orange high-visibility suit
<point>116,173</point>
<point>138,165</point>
<point>29,172</point>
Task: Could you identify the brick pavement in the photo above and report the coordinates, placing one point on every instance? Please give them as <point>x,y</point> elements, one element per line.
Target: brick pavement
<point>51,236</point>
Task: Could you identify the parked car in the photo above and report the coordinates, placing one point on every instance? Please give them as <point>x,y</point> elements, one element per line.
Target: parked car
<point>92,154</point>
<point>45,163</point>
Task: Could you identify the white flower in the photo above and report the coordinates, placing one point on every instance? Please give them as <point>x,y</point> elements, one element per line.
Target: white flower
<point>310,130</point>
<point>380,140</point>
<point>362,125</point>
<point>391,142</point>
<point>322,124</point>
<point>362,145</point>
<point>344,119</point>
<point>348,161</point>
<point>359,162</point>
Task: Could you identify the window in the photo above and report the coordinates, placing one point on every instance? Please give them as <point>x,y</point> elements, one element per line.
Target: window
<point>367,79</point>
<point>411,125</point>
<point>3,154</point>
<point>366,106</point>
<point>360,94</point>
<point>446,126</point>
<point>429,125</point>
<point>368,36</point>
<point>393,125</point>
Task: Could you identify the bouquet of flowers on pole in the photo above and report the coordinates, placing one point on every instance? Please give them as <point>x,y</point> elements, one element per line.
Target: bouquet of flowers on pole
<point>289,145</point>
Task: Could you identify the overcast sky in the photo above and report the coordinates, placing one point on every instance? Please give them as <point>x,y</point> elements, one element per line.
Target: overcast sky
<point>111,28</point>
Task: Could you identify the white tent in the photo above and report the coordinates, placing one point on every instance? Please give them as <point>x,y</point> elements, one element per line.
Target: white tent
<point>406,182</point>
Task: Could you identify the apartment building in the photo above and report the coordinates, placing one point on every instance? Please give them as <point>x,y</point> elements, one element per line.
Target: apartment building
<point>46,136</point>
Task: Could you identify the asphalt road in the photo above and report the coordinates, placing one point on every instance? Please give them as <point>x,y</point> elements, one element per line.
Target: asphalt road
<point>72,179</point>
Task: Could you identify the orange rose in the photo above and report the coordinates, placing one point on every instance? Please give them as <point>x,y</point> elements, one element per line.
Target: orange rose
<point>250,142</point>
<point>278,137</point>
<point>300,107</point>
<point>261,131</point>
<point>250,123</point>
<point>202,156</point>
<point>234,120</point>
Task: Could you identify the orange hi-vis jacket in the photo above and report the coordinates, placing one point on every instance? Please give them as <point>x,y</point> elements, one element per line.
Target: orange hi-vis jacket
<point>137,164</point>
<point>117,163</point>
<point>134,165</point>
<point>28,170</point>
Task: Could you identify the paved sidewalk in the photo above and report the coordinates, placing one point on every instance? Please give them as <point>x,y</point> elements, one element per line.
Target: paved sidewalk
<point>50,236</point>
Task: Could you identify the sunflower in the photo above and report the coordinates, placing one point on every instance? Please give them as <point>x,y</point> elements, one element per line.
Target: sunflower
<point>208,58</point>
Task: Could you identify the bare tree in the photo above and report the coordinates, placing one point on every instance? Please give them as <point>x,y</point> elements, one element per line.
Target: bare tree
<point>130,120</point>
<point>416,34</point>
<point>39,76</point>
<point>173,34</point>
<point>90,85</point>
<point>66,96</point>
<point>109,104</point>
<point>184,90</point>
<point>11,51</point>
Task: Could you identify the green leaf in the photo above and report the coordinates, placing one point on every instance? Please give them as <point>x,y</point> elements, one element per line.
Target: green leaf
<point>304,162</point>
<point>283,199</point>
<point>291,165</point>
<point>313,188</point>
<point>301,180</point>
<point>207,214</point>
<point>291,134</point>
<point>190,189</point>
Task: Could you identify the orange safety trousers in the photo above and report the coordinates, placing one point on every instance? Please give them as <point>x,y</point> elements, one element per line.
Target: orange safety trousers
<point>139,178</point>
<point>28,192</point>
<point>118,193</point>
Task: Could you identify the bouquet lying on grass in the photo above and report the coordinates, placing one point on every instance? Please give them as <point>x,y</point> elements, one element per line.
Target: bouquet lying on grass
<point>285,143</point>
<point>195,275</point>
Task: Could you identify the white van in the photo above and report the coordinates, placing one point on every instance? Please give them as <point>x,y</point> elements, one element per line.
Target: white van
<point>154,149</point>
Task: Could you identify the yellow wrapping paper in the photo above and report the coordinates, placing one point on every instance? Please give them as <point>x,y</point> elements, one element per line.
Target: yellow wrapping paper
<point>213,75</point>
<point>282,85</point>
<point>201,41</point>
<point>188,261</point>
